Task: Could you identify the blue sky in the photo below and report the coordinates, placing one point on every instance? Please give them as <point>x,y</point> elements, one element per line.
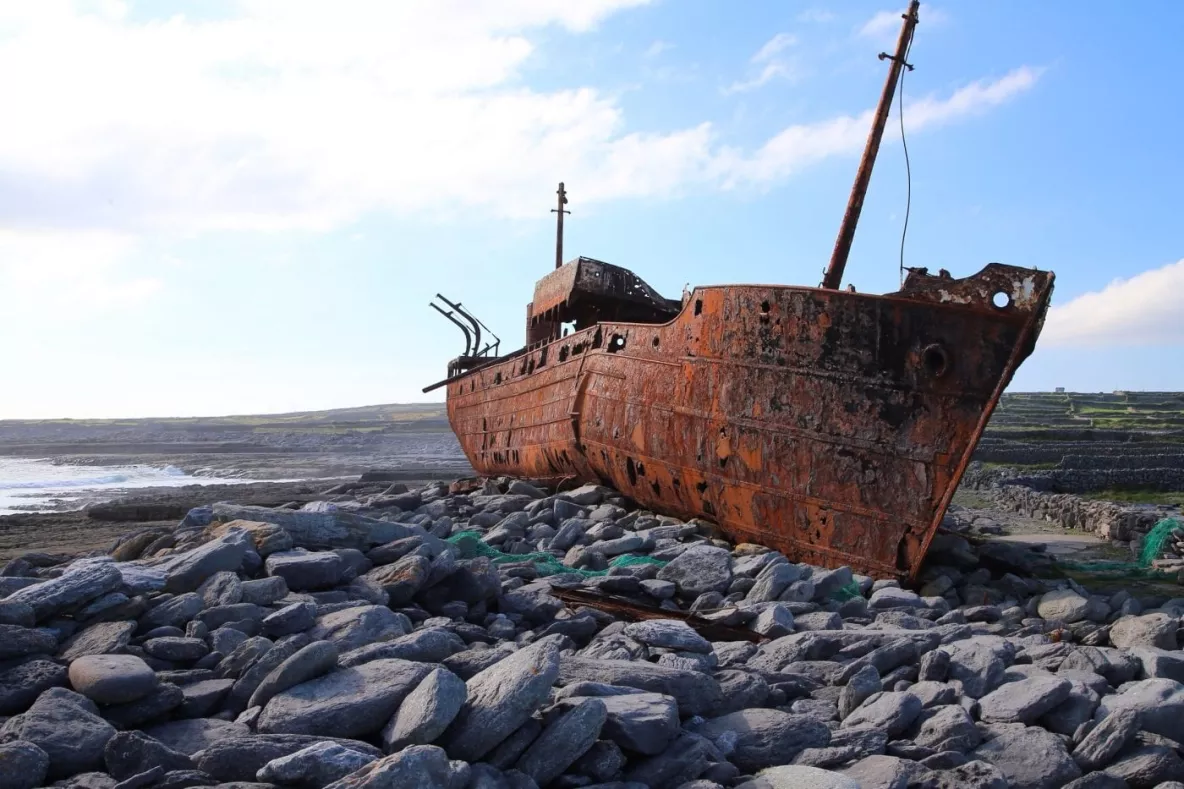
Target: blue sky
<point>229,207</point>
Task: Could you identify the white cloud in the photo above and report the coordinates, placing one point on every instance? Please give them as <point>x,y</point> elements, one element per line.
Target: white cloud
<point>804,144</point>
<point>68,275</point>
<point>1142,310</point>
<point>290,116</point>
<point>657,48</point>
<point>773,46</point>
<point>885,25</point>
<point>816,15</point>
<point>772,64</point>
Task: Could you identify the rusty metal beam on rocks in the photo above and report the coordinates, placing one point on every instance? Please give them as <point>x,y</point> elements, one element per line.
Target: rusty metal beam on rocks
<point>627,609</point>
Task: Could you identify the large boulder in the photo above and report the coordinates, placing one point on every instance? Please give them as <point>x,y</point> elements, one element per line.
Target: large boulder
<point>1030,758</point>
<point>348,702</point>
<point>695,692</point>
<point>1150,630</point>
<point>67,727</point>
<point>356,627</point>
<point>1159,702</point>
<point>501,698</point>
<point>761,738</point>
<point>185,572</point>
<point>699,569</point>
<point>84,580</point>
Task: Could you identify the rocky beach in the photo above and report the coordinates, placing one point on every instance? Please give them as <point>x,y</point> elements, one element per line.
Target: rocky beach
<point>496,634</point>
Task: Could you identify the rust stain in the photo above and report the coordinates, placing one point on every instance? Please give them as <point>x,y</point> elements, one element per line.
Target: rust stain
<point>836,431</point>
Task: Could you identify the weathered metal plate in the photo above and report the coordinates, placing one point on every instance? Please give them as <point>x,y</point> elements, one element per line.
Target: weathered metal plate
<point>831,425</point>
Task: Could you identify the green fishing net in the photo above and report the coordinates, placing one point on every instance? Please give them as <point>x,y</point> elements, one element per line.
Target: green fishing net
<point>470,546</point>
<point>1141,568</point>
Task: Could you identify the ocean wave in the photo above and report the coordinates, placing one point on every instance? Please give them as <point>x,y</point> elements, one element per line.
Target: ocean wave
<point>29,484</point>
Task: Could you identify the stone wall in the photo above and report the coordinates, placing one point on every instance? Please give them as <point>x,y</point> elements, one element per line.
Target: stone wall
<point>1033,498</point>
<point>1108,520</point>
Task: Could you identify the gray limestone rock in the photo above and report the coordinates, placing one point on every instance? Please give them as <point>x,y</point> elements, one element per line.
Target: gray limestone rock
<point>1023,701</point>
<point>203,698</point>
<point>315,766</point>
<point>1106,739</point>
<point>977,665</point>
<point>893,712</point>
<point>22,765</point>
<point>264,591</point>
<point>685,760</point>
<point>946,728</point>
<point>644,723</point>
<point>1063,605</point>
<point>1150,630</point>
<point>403,579</point>
<point>1159,702</point>
<point>772,580</point>
<point>971,775</point>
<point>426,712</point>
<point>566,738</point>
<point>859,687</point>
<point>309,662</point>
<point>84,580</point>
<point>1159,663</point>
<point>1030,758</point>
<point>1148,766</point>
<point>668,633</point>
<point>356,627</point>
<point>65,725</point>
<point>303,570</point>
<point>695,693</point>
<point>130,753</point>
<point>294,618</point>
<point>699,569</point>
<point>193,736</point>
<point>165,698</point>
<point>221,588</point>
<point>345,703</point>
<point>501,698</point>
<point>176,649</point>
<point>760,738</point>
<point>185,572</point>
<point>241,758</point>
<point>98,639</point>
<point>22,684</point>
<point>112,679</point>
<point>173,612</point>
<point>883,772</point>
<point>426,646</point>
<point>741,690</point>
<point>793,776</point>
<point>414,767</point>
<point>17,641</point>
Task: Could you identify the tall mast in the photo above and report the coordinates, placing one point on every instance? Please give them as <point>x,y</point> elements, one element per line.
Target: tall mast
<point>559,229</point>
<point>838,258</point>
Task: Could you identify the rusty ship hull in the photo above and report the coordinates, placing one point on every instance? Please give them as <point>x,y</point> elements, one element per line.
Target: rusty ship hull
<point>831,425</point>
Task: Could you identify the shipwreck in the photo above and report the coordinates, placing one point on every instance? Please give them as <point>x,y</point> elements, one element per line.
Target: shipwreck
<point>831,425</point>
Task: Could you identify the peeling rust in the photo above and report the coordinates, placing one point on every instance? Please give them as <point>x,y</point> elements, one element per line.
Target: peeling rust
<point>822,423</point>
<point>831,425</point>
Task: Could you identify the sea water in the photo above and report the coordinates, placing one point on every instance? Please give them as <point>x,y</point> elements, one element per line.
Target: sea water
<point>28,485</point>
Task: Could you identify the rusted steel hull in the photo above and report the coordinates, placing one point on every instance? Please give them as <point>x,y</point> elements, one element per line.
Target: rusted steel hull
<point>833,426</point>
